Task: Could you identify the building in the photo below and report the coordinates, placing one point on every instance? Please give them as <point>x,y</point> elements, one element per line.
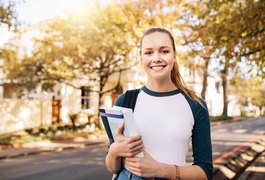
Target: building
<point>66,100</point>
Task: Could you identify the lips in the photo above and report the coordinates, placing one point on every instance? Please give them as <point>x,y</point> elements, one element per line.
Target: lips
<point>157,67</point>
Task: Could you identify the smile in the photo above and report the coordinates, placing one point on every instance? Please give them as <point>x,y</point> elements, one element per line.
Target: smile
<point>158,68</point>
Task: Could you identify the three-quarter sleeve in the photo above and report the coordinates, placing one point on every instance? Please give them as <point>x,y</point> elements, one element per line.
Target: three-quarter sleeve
<point>201,140</point>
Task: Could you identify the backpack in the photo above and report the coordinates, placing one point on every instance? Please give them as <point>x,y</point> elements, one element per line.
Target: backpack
<point>130,98</point>
<point>129,102</point>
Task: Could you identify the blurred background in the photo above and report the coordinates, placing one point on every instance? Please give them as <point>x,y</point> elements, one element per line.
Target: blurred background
<point>60,60</point>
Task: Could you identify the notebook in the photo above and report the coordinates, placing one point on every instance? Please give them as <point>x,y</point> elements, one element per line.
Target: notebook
<point>112,118</point>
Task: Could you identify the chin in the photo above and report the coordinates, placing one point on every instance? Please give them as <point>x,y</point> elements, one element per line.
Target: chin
<point>159,77</point>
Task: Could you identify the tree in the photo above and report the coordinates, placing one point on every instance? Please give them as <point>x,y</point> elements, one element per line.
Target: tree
<point>90,46</point>
<point>8,17</point>
<point>219,29</point>
<point>7,13</point>
<point>250,92</point>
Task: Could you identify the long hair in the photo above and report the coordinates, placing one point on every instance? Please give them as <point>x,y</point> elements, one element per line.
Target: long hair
<point>176,78</point>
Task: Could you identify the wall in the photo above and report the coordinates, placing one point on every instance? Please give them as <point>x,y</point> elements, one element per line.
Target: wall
<point>19,114</point>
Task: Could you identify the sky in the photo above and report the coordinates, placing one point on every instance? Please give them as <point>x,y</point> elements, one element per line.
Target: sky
<point>33,11</point>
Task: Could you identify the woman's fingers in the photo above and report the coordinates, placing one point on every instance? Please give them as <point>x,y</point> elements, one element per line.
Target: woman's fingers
<point>138,149</point>
<point>133,166</point>
<point>135,138</point>
<point>132,160</point>
<point>136,143</point>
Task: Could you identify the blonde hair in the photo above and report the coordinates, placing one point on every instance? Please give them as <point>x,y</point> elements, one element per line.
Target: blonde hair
<point>175,74</point>
<point>177,80</point>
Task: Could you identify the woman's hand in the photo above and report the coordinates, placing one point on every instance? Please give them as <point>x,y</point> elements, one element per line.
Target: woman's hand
<point>126,146</point>
<point>145,166</point>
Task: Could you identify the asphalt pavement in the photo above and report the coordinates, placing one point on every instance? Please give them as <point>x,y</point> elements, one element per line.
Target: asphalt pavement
<point>249,169</point>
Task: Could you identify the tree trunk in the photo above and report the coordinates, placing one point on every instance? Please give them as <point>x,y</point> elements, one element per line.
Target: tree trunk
<point>99,123</point>
<point>205,76</point>
<point>224,74</point>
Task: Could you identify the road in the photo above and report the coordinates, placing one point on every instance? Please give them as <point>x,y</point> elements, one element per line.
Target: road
<point>229,136</point>
<point>88,163</point>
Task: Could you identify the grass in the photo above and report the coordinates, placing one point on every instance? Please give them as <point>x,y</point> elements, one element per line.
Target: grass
<point>219,118</point>
<point>45,133</point>
<point>10,139</point>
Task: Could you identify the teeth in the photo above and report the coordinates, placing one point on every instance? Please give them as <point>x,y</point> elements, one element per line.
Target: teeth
<point>157,68</point>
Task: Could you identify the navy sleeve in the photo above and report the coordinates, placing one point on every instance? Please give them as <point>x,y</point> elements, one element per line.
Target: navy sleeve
<point>201,139</point>
<point>120,100</point>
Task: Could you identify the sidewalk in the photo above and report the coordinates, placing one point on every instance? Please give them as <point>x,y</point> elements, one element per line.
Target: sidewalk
<point>50,146</point>
<point>246,163</point>
<point>57,146</point>
<point>256,170</point>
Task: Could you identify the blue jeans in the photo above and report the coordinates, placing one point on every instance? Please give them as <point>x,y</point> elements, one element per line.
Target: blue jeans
<point>127,175</point>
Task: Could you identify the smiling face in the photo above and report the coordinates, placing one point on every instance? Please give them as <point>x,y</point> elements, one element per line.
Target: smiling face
<point>157,56</point>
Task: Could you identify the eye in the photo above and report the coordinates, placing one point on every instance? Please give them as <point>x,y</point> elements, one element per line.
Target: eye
<point>165,51</point>
<point>148,52</point>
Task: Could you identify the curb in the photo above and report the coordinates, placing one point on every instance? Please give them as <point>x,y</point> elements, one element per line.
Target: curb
<point>218,123</point>
<point>49,150</point>
<point>251,172</point>
<point>234,165</point>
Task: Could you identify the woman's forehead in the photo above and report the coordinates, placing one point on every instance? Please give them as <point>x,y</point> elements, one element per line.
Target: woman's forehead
<point>156,39</point>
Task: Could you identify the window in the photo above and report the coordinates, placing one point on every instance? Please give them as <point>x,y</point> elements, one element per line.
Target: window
<point>85,97</point>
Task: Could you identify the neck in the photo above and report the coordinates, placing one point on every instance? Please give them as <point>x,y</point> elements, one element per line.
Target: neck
<point>160,85</point>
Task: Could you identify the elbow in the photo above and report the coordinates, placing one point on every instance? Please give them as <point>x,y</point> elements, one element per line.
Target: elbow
<point>207,170</point>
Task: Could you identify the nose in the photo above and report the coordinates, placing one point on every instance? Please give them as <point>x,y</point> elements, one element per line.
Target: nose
<point>156,58</point>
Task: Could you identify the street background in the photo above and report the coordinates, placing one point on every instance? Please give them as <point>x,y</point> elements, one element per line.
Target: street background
<point>60,60</point>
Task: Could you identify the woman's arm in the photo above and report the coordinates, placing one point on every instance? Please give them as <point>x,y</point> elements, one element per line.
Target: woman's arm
<point>113,162</point>
<point>187,172</point>
<point>122,147</point>
<point>149,168</point>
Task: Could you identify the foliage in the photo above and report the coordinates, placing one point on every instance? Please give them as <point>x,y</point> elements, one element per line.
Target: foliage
<point>7,13</point>
<point>8,17</point>
<point>10,139</point>
<point>229,31</point>
<point>99,41</point>
<point>219,118</point>
<point>89,46</point>
<point>47,133</point>
<point>250,92</point>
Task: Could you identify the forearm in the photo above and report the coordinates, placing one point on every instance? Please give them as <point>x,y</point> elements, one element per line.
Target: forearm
<point>186,172</point>
<point>113,163</point>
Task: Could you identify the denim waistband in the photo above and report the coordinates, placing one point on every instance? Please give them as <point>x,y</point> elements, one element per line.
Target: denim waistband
<point>132,176</point>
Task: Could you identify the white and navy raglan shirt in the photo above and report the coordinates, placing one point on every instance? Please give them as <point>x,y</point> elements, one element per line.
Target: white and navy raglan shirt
<point>168,122</point>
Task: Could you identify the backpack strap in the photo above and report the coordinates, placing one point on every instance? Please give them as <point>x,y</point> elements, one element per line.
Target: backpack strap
<point>130,98</point>
<point>129,102</point>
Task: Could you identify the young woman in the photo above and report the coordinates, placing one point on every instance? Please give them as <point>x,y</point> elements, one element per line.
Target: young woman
<point>168,116</point>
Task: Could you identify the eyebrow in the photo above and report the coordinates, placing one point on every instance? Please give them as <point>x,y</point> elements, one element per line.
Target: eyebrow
<point>162,47</point>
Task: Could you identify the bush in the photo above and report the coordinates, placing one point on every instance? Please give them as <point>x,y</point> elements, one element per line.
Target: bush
<point>5,139</point>
<point>29,131</point>
<point>220,118</point>
<point>10,139</point>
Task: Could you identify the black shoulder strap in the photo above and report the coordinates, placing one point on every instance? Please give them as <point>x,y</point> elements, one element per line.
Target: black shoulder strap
<point>130,98</point>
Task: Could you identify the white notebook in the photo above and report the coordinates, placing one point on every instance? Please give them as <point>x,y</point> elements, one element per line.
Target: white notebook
<point>113,117</point>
